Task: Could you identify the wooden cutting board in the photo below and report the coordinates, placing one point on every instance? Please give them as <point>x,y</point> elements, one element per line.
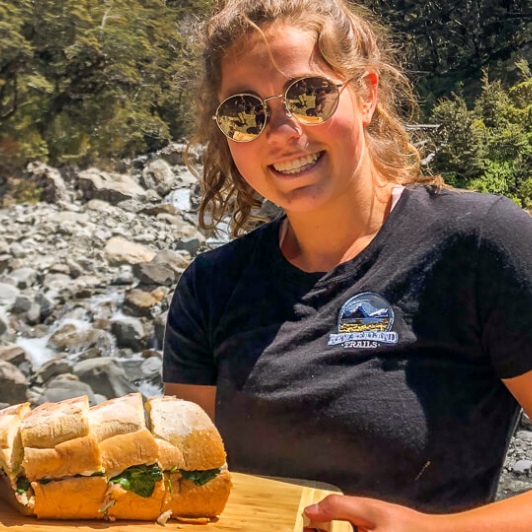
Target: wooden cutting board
<point>255,504</point>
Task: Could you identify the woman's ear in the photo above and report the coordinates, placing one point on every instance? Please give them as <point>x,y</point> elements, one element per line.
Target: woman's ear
<point>370,83</point>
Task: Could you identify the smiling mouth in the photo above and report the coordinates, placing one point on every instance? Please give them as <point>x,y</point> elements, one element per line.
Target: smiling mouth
<point>298,165</point>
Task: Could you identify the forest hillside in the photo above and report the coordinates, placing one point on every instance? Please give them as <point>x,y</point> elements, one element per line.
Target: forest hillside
<point>92,82</point>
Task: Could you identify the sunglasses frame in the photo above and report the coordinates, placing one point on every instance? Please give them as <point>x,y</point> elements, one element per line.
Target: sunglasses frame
<point>267,112</point>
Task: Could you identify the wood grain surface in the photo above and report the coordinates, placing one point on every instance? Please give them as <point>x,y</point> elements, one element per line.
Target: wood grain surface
<point>255,504</point>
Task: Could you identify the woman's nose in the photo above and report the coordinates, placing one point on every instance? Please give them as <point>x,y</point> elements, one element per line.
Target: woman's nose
<point>281,124</point>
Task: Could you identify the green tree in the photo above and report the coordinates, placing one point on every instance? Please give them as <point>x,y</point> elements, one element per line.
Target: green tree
<point>489,147</point>
<point>448,43</point>
<point>82,80</point>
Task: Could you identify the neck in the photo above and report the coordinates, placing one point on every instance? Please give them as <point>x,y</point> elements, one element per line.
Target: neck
<point>334,235</point>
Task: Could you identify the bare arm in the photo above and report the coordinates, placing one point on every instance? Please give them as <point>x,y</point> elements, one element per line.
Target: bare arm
<point>202,395</point>
<point>513,514</point>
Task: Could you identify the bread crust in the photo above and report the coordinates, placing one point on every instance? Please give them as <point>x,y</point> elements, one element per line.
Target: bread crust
<point>169,456</point>
<point>187,426</point>
<point>50,424</point>
<point>129,504</point>
<point>70,498</point>
<point>121,415</point>
<point>126,450</point>
<point>186,499</point>
<point>8,493</point>
<point>11,451</point>
<point>80,456</point>
<point>119,426</point>
<point>64,443</point>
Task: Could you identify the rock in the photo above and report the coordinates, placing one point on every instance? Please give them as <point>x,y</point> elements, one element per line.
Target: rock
<point>52,184</point>
<point>5,258</point>
<point>105,376</point>
<point>178,260</point>
<point>17,250</point>
<point>21,305</point>
<point>110,187</point>
<point>159,326</point>
<point>140,303</point>
<point>188,238</point>
<point>34,314</point>
<point>53,368</point>
<point>72,339</point>
<point>66,386</point>
<point>4,322</point>
<point>151,370</point>
<point>17,356</point>
<point>46,302</point>
<point>120,251</point>
<point>153,273</point>
<point>158,176</point>
<point>99,205</point>
<point>524,435</point>
<point>24,277</point>
<point>158,209</point>
<point>129,332</point>
<point>522,467</point>
<point>8,295</point>
<point>12,384</point>
<point>525,422</point>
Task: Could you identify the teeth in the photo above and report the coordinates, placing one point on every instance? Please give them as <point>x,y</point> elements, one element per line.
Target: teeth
<point>297,165</point>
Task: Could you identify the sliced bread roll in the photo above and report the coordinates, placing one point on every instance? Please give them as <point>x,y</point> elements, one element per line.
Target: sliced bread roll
<point>119,427</point>
<point>70,498</point>
<point>11,451</point>
<point>14,486</point>
<point>57,443</point>
<point>76,462</point>
<point>60,455</point>
<point>182,428</point>
<point>200,484</point>
<point>129,457</point>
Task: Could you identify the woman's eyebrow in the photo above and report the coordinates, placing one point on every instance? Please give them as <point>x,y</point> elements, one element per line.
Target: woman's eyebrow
<point>241,89</point>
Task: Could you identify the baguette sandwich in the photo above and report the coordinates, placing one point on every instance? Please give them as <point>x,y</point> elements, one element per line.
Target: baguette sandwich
<point>13,483</point>
<point>117,460</point>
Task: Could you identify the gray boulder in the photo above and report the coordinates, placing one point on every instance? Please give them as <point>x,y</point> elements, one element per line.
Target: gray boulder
<point>105,376</point>
<point>13,385</point>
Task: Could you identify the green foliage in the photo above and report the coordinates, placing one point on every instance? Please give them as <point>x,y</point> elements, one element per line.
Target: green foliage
<point>96,80</point>
<point>82,80</point>
<point>448,43</point>
<point>489,148</point>
<point>139,479</point>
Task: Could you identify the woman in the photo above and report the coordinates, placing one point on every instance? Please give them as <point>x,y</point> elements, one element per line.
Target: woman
<point>377,336</point>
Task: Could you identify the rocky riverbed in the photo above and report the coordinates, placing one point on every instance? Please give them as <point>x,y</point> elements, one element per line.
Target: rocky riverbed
<point>86,277</point>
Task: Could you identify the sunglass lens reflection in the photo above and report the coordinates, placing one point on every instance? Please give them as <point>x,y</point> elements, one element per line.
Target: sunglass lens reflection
<point>241,118</point>
<point>312,100</point>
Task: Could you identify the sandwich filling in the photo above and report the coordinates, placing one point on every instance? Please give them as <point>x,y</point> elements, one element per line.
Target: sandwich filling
<point>139,479</point>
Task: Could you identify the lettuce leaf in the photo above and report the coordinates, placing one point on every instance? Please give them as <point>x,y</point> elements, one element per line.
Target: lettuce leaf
<point>23,485</point>
<point>139,479</point>
<point>200,477</point>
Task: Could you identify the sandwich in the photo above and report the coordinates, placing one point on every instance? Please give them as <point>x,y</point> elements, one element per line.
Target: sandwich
<point>13,483</point>
<point>120,459</point>
<point>192,457</point>
<point>62,460</point>
<point>129,455</point>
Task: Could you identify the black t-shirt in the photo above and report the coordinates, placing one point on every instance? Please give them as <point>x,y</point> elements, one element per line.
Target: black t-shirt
<point>382,376</point>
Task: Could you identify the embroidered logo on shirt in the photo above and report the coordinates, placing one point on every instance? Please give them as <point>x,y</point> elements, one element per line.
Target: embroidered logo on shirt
<point>365,321</point>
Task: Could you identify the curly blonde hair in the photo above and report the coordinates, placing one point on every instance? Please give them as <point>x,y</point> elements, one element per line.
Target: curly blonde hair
<point>348,43</point>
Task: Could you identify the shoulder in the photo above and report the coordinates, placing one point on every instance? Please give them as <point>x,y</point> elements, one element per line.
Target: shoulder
<point>453,200</point>
<point>465,210</point>
<point>230,259</point>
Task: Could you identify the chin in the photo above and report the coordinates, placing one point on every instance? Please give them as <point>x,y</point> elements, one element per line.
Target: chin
<point>304,201</point>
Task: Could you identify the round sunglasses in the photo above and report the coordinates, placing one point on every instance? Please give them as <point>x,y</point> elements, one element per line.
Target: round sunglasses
<point>311,100</point>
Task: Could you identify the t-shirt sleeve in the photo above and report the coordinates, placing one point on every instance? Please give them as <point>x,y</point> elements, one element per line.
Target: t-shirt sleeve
<point>187,354</point>
<point>505,288</point>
